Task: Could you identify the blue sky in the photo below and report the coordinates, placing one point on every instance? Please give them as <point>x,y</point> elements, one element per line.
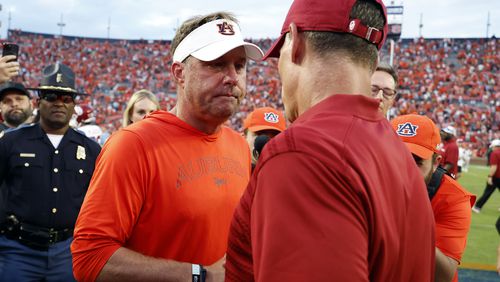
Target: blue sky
<point>153,19</point>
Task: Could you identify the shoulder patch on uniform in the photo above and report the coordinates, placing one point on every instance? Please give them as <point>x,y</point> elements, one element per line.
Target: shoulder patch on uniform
<point>78,131</point>
<point>2,133</point>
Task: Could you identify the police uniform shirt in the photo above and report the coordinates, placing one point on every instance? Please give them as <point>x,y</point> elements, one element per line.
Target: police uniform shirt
<point>3,127</point>
<point>42,185</point>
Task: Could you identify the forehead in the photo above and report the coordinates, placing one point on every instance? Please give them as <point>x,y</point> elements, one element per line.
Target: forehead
<point>382,78</point>
<point>144,103</point>
<point>13,94</point>
<point>236,54</point>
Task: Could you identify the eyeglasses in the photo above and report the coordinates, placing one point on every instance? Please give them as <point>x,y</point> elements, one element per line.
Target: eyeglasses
<point>52,97</point>
<point>387,93</point>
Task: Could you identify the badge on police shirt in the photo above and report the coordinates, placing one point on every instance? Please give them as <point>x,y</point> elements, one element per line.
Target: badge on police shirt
<point>80,153</point>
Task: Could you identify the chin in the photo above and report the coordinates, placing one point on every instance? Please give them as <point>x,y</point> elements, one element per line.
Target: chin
<point>57,124</point>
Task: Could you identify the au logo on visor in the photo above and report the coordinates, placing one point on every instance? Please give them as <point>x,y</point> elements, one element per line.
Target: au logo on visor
<point>225,28</point>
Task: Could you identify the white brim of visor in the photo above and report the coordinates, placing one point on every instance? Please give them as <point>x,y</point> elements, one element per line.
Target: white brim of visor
<point>207,43</point>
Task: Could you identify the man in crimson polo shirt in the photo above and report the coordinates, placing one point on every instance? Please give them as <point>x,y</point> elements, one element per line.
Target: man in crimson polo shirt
<point>449,150</point>
<point>451,203</point>
<point>493,181</point>
<point>336,196</point>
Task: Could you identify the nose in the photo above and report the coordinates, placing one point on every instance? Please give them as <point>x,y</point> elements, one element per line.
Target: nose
<point>379,95</point>
<point>231,75</point>
<point>58,102</point>
<point>15,104</point>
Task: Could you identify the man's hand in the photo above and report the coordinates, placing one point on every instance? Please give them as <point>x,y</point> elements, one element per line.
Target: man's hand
<point>8,69</point>
<point>216,271</point>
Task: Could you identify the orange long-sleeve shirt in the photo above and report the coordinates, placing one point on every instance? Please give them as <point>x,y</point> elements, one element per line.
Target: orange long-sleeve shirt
<point>164,189</point>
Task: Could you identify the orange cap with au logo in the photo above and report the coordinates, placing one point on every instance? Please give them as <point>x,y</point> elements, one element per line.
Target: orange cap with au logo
<point>264,119</point>
<point>419,133</point>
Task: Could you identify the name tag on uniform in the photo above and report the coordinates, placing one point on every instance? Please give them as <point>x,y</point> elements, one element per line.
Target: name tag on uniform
<point>80,153</point>
<point>27,155</point>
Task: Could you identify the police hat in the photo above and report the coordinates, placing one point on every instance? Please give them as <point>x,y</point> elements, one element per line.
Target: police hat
<point>14,87</point>
<point>58,78</point>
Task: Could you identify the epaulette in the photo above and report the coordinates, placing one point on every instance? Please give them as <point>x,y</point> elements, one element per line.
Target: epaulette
<point>78,131</point>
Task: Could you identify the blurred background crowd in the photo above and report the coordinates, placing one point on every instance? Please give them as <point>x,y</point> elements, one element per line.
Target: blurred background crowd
<point>452,81</point>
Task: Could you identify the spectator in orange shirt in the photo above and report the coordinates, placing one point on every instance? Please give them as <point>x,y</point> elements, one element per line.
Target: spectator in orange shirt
<point>164,190</point>
<point>450,202</point>
<point>140,104</point>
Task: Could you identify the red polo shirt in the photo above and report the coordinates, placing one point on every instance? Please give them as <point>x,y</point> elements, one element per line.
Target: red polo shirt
<point>450,155</point>
<point>336,197</point>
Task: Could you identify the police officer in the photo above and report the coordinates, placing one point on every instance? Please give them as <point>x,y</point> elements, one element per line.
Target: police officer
<point>45,169</point>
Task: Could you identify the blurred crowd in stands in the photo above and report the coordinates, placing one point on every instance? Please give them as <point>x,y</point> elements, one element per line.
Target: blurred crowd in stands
<point>452,81</point>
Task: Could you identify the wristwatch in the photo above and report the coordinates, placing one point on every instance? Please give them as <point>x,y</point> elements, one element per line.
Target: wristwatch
<point>198,273</point>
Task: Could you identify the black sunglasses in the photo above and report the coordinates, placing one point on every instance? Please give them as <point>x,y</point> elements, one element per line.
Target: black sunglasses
<point>52,97</point>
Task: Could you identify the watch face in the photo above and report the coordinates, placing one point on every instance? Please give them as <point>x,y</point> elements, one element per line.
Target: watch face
<point>196,269</point>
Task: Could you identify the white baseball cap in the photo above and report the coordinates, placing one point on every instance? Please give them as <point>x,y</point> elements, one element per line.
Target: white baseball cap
<point>450,130</point>
<point>495,143</point>
<point>214,39</point>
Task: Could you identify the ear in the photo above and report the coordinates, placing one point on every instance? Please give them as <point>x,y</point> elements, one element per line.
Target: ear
<point>437,161</point>
<point>177,71</point>
<point>255,154</point>
<point>298,44</point>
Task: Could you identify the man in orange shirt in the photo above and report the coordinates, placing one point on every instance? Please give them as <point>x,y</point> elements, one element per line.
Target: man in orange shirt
<point>450,202</point>
<point>165,188</point>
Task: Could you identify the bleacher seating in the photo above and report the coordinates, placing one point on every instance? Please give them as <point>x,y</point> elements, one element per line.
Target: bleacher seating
<point>453,81</point>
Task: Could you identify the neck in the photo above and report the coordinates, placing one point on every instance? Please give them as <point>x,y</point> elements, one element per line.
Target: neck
<point>324,77</point>
<point>203,125</point>
<point>10,125</point>
<point>51,130</point>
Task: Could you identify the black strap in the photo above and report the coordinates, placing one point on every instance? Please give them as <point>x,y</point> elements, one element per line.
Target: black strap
<point>435,182</point>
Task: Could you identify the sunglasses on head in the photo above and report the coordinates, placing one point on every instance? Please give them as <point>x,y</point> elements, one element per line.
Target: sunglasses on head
<point>52,97</point>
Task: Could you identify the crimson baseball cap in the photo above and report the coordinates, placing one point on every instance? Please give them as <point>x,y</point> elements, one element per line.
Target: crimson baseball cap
<point>419,133</point>
<point>328,15</point>
<point>265,118</point>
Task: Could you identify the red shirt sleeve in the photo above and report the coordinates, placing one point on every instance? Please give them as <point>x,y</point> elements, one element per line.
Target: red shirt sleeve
<point>307,225</point>
<point>111,206</point>
<point>495,160</point>
<point>452,154</point>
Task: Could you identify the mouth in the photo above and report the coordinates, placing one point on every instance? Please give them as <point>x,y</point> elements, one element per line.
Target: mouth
<point>59,113</point>
<point>228,95</point>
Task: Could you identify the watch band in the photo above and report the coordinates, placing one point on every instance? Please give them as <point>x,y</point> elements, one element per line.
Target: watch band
<point>198,273</point>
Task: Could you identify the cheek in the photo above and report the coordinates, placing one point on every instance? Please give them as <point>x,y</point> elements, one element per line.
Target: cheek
<point>135,116</point>
<point>423,170</point>
<point>251,140</point>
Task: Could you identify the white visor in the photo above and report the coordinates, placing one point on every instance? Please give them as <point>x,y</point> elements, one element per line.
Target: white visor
<point>214,39</point>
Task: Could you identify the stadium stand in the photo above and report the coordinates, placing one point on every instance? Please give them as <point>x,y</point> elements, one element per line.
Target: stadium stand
<point>453,81</point>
